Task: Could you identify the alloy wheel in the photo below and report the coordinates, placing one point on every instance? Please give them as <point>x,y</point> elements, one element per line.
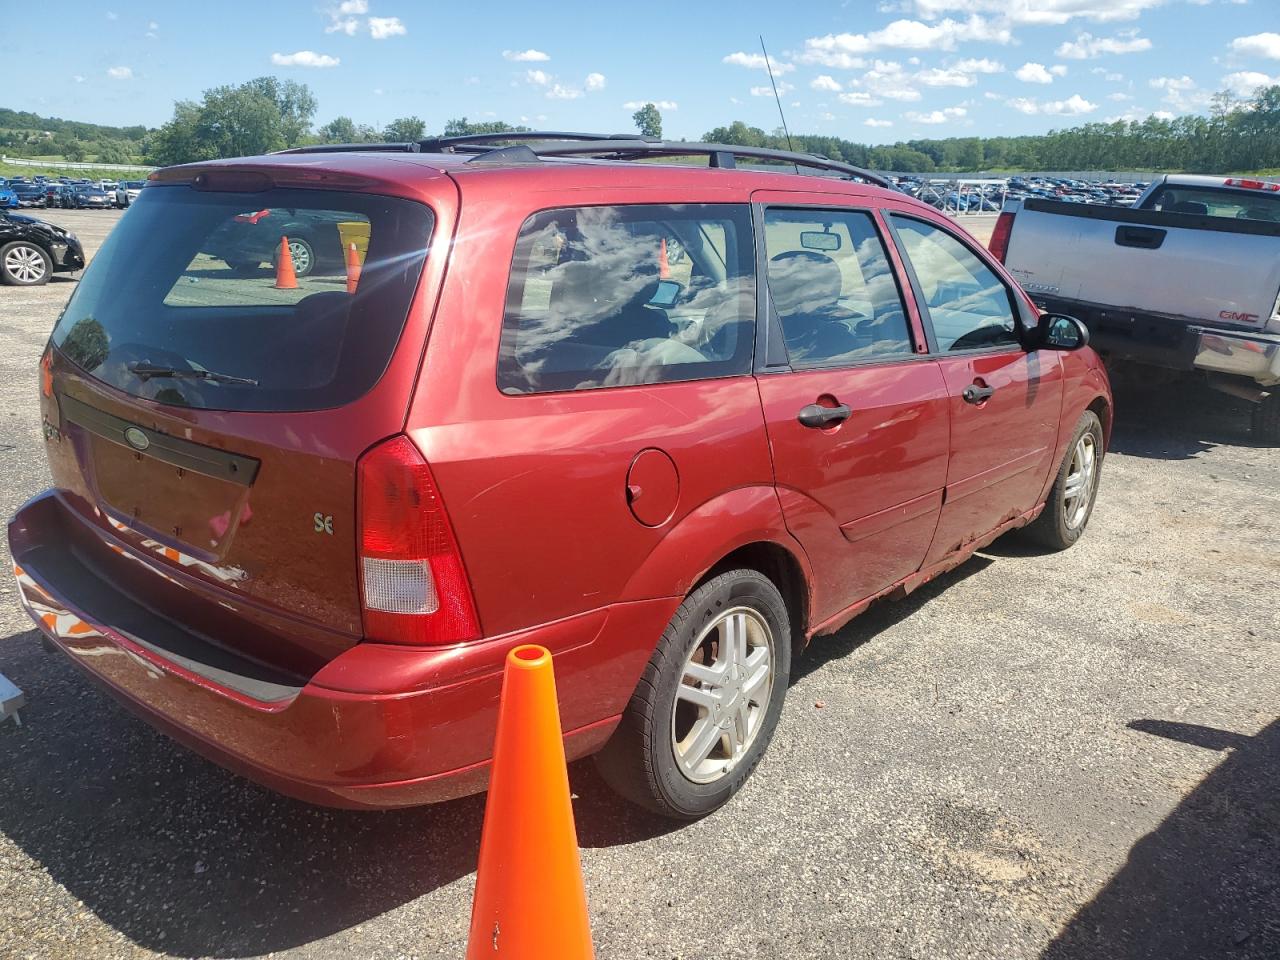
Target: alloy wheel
<point>1077,492</point>
<point>723,695</point>
<point>25,264</point>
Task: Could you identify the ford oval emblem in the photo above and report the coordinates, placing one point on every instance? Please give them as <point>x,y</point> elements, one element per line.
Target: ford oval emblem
<point>136,438</point>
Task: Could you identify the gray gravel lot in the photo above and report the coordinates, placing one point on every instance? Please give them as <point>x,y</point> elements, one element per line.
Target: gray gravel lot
<point>1061,757</point>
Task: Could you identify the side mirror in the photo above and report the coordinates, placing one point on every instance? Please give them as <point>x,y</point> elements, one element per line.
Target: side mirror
<point>1057,331</point>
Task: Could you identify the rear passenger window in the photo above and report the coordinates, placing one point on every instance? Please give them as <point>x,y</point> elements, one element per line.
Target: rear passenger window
<point>833,288</point>
<point>968,305</point>
<point>616,296</point>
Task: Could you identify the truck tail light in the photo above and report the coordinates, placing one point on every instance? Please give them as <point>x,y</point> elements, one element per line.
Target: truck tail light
<point>1252,184</point>
<point>999,245</point>
<point>413,585</point>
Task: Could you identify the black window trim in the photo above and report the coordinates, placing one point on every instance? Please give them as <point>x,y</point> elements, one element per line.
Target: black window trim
<point>922,305</point>
<point>769,325</point>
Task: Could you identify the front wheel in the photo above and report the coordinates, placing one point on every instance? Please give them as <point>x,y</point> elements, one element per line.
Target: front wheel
<point>24,264</point>
<point>1266,419</point>
<point>708,702</point>
<point>1070,501</point>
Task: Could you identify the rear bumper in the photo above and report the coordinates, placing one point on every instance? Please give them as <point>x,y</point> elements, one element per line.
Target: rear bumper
<point>1172,343</point>
<point>378,726</point>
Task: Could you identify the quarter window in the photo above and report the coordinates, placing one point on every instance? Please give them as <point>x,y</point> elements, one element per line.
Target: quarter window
<point>833,288</point>
<point>968,306</point>
<point>624,295</point>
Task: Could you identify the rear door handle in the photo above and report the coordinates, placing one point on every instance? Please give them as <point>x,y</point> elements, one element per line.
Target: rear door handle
<point>975,393</point>
<point>817,416</point>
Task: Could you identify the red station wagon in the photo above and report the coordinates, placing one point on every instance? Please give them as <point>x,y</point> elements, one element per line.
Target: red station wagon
<point>671,421</point>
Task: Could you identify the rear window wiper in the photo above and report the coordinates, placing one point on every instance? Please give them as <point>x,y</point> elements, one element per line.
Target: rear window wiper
<point>146,371</point>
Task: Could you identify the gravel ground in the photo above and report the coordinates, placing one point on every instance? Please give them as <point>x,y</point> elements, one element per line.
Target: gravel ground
<point>1060,757</point>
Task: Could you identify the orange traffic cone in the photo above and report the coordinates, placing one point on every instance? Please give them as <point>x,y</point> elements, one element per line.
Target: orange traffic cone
<point>530,903</point>
<point>286,279</point>
<point>353,268</point>
<point>664,268</point>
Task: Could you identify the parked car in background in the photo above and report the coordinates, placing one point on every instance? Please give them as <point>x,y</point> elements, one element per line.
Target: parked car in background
<point>107,186</point>
<point>127,191</point>
<point>88,197</point>
<point>8,198</point>
<point>30,194</point>
<point>31,250</point>
<point>60,195</point>
<point>671,422</point>
<point>251,239</point>
<point>1185,281</point>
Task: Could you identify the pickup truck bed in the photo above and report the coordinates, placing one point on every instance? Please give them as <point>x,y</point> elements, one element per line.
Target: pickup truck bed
<point>1184,291</point>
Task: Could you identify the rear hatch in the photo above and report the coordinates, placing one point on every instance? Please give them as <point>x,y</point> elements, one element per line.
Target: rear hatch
<point>210,401</point>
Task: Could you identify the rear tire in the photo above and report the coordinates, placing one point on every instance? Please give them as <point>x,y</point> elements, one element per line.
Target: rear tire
<point>704,710</point>
<point>1266,419</point>
<point>1065,516</point>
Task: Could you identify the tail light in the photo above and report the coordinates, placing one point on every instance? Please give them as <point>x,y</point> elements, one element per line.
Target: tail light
<point>999,244</point>
<point>414,588</point>
<point>46,372</point>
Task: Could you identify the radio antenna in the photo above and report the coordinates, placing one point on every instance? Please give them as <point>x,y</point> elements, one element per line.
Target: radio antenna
<point>769,65</point>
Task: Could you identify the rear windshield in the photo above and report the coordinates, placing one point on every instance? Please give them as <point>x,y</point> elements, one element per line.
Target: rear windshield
<point>191,302</point>
<point>618,296</point>
<point>1216,202</point>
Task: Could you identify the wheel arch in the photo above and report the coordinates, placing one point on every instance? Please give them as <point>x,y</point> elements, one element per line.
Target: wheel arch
<point>1101,407</point>
<point>741,528</point>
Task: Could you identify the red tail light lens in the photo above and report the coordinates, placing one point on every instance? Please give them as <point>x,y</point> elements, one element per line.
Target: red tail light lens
<point>999,244</point>
<point>414,587</point>
<point>46,372</point>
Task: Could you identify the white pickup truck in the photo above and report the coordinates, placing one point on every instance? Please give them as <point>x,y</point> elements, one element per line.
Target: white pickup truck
<point>1187,279</point>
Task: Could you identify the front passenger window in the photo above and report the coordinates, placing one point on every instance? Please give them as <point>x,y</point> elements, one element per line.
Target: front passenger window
<point>967,304</point>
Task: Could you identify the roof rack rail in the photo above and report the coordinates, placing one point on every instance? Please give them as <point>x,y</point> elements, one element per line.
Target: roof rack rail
<point>477,142</point>
<point>407,147</point>
<point>632,147</point>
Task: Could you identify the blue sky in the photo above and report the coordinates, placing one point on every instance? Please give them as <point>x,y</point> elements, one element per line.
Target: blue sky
<point>875,71</point>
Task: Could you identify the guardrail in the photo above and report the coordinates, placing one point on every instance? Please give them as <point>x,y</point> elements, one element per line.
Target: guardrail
<point>69,165</point>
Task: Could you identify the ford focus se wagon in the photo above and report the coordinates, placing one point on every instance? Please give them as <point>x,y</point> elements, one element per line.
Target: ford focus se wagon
<point>673,421</point>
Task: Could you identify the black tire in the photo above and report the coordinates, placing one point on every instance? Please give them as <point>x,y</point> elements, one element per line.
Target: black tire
<point>29,253</point>
<point>304,256</point>
<point>1266,419</point>
<point>639,761</point>
<point>1056,528</point>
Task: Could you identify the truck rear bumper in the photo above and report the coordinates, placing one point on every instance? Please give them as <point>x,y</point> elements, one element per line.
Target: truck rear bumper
<point>1174,344</point>
<point>378,726</point>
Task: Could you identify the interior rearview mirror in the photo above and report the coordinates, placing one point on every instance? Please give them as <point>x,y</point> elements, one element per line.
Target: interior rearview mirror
<point>1061,332</point>
<point>819,240</point>
<point>667,294</point>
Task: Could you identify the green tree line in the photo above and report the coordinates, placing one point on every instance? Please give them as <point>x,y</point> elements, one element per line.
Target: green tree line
<point>268,114</point>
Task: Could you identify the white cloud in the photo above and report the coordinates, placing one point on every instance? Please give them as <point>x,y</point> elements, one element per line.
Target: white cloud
<point>1058,69</point>
<point>945,78</point>
<point>1247,81</point>
<point>1074,106</point>
<point>1033,73</point>
<point>120,73</point>
<point>783,89</point>
<point>846,50</point>
<point>525,56</point>
<point>1181,93</point>
<point>537,77</point>
<point>1258,45</point>
<point>79,78</point>
<point>980,66</point>
<point>856,98</point>
<point>344,18</point>
<point>1163,115</point>
<point>756,61</point>
<point>660,104</point>
<point>304,58</point>
<point>153,25</point>
<point>1045,12</point>
<point>873,122</point>
<point>824,82</point>
<point>886,78</point>
<point>561,92</point>
<point>112,15</point>
<point>937,116</point>
<point>594,82</point>
<point>382,27</point>
<point>1119,97</point>
<point>1086,46</point>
